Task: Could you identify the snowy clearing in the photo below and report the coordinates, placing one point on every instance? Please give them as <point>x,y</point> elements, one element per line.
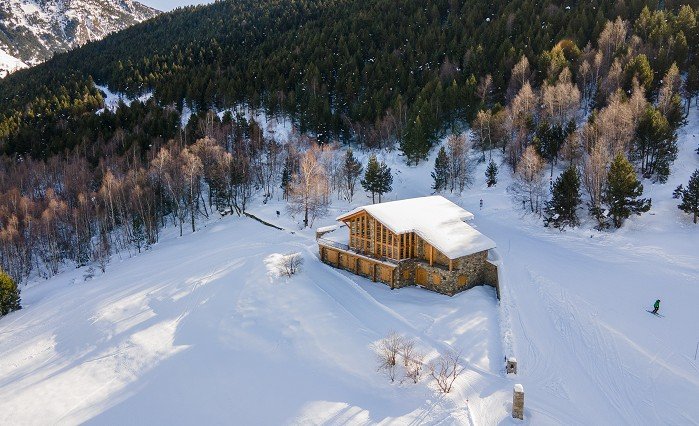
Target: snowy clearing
<point>196,330</point>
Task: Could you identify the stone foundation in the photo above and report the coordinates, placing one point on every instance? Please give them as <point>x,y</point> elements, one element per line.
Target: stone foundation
<point>467,272</point>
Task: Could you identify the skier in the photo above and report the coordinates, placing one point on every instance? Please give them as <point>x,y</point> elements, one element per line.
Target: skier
<point>656,306</point>
<point>481,204</point>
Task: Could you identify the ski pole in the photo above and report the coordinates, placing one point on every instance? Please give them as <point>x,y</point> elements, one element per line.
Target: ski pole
<point>695,351</point>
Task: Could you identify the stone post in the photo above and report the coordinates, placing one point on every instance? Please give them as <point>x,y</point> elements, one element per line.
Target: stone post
<point>518,402</point>
<point>511,366</point>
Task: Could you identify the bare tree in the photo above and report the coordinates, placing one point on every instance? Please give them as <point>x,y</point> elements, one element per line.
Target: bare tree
<point>521,73</point>
<point>595,170</point>
<point>446,369</point>
<point>481,131</point>
<point>484,89</point>
<point>309,189</point>
<point>613,37</point>
<point>387,351</point>
<point>522,116</point>
<point>561,100</point>
<point>460,171</point>
<point>528,186</point>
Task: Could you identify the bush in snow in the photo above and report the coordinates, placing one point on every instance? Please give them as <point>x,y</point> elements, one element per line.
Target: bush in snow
<point>387,350</point>
<point>291,264</point>
<point>284,264</point>
<point>394,348</point>
<point>412,360</point>
<point>446,369</point>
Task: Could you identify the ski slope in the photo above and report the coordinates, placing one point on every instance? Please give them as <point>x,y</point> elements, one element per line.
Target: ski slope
<point>198,330</point>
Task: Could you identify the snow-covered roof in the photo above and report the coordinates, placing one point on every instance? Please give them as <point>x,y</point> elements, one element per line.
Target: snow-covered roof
<point>435,219</point>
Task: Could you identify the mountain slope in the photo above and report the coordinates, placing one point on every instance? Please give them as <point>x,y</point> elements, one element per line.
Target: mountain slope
<point>33,30</point>
<point>9,63</point>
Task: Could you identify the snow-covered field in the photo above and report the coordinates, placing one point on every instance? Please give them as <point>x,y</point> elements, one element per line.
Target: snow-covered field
<point>197,330</point>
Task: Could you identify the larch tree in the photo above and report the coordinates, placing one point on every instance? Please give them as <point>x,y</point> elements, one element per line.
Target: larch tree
<point>522,118</point>
<point>669,101</point>
<point>460,173</point>
<point>689,196</point>
<point>309,192</point>
<point>623,191</point>
<point>528,187</point>
<point>481,131</point>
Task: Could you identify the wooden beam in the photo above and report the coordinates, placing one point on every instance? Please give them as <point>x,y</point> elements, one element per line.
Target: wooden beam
<point>431,254</point>
<point>451,265</point>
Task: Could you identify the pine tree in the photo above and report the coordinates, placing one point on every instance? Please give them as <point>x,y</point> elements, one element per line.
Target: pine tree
<point>385,181</point>
<point>491,174</point>
<point>655,145</point>
<point>139,234</point>
<point>689,196</point>
<point>622,192</point>
<point>415,144</point>
<point>286,180</point>
<point>351,171</point>
<point>440,175</point>
<point>562,210</point>
<point>9,295</point>
<point>377,178</point>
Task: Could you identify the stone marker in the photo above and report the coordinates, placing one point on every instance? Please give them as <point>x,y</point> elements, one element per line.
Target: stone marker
<point>518,402</point>
<point>511,366</point>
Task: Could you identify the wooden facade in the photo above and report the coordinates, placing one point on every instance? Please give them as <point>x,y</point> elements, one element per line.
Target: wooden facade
<point>372,238</point>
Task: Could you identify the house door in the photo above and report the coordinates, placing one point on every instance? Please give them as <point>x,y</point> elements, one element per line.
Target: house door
<point>420,276</point>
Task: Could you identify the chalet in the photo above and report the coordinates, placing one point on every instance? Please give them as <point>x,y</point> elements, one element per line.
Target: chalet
<point>420,241</point>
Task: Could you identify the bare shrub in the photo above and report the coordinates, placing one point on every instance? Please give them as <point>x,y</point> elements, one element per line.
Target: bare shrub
<point>291,264</point>
<point>446,369</point>
<point>414,365</point>
<point>387,350</point>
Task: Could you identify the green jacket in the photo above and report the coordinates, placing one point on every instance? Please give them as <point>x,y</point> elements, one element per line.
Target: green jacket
<point>657,304</point>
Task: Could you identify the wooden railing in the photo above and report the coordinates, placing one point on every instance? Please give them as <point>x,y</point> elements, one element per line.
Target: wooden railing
<point>332,243</point>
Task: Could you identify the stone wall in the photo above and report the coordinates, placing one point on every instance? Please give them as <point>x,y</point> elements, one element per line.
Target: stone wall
<point>468,272</point>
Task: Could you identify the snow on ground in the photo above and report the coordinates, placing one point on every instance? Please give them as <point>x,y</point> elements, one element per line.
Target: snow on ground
<point>198,330</point>
<point>195,330</point>
<point>9,64</point>
<point>112,99</point>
